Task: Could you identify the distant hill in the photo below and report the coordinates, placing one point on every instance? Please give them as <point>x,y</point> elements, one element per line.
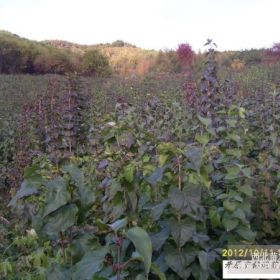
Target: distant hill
<point>73,46</point>
<point>65,45</point>
<point>21,55</point>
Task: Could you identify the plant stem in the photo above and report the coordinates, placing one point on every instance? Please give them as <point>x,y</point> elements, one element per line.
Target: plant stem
<point>180,173</point>
<point>118,260</point>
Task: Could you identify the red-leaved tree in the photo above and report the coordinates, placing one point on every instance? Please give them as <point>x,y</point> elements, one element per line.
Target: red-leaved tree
<point>185,55</point>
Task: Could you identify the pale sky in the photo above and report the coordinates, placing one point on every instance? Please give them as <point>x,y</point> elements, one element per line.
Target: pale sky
<point>152,24</point>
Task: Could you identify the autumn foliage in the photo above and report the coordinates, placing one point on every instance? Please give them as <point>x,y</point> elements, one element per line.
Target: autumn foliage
<point>185,54</point>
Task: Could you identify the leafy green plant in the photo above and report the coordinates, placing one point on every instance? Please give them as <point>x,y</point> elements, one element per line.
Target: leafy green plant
<point>139,183</point>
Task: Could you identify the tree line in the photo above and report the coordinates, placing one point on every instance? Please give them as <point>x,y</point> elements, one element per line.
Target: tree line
<point>19,55</point>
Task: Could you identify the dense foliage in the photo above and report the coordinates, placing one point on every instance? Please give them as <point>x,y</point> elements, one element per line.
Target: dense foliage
<point>19,55</point>
<point>95,64</point>
<point>145,178</point>
<point>186,55</point>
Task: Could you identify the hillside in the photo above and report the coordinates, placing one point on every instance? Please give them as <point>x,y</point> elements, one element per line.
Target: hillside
<point>123,57</point>
<point>20,55</point>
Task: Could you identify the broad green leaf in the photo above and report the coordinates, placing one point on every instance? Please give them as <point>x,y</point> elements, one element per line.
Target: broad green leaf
<point>114,187</point>
<point>242,112</point>
<point>239,214</point>
<point>32,172</point>
<point>203,260</point>
<point>232,172</point>
<point>186,201</point>
<point>158,239</point>
<point>204,177</point>
<point>148,168</point>
<point>211,130</point>
<point>60,220</point>
<point>215,217</point>
<point>234,137</point>
<point>247,172</point>
<point>156,176</point>
<point>182,232</point>
<point>128,172</point>
<point>194,157</point>
<point>246,207</point>
<point>200,238</point>
<point>229,223</point>
<point>119,224</point>
<point>234,152</point>
<point>116,212</point>
<point>57,195</point>
<point>79,247</point>
<point>234,195</point>
<point>231,122</point>
<point>205,121</point>
<point>229,206</point>
<point>90,264</point>
<point>28,187</point>
<point>87,195</point>
<point>163,159</point>
<point>246,233</point>
<point>75,172</point>
<point>157,210</point>
<point>164,148</point>
<point>143,245</point>
<point>177,262</point>
<point>202,139</point>
<point>246,189</point>
<point>146,158</point>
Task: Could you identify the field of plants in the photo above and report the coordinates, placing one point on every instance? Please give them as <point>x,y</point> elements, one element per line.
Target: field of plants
<point>137,178</point>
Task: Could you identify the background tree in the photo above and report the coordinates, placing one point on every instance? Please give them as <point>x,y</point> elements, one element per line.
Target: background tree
<point>94,63</point>
<point>185,55</point>
<point>13,54</point>
<point>167,61</point>
<point>53,61</point>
